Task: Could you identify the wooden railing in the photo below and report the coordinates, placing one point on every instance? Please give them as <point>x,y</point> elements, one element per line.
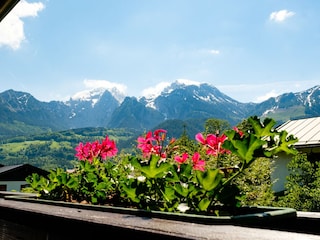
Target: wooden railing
<point>27,220</point>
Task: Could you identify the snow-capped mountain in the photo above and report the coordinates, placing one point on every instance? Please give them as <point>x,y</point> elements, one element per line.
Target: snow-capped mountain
<point>94,95</point>
<point>185,99</point>
<point>91,108</point>
<point>291,105</point>
<point>164,88</point>
<point>180,100</point>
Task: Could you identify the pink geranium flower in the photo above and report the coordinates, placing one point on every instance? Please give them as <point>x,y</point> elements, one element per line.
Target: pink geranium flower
<point>90,151</point>
<point>213,143</point>
<point>238,131</point>
<point>181,159</point>
<point>198,164</point>
<point>108,148</point>
<point>152,143</point>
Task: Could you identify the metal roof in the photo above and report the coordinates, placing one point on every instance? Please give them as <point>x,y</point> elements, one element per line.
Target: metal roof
<point>6,6</point>
<point>307,131</point>
<point>19,172</point>
<point>8,168</point>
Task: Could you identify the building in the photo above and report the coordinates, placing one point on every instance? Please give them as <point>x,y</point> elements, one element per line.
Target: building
<point>6,6</point>
<point>12,178</point>
<point>307,131</point>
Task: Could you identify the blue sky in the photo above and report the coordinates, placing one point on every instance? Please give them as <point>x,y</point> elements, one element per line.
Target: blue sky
<point>249,49</point>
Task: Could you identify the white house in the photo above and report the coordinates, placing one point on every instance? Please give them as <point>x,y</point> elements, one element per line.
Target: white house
<point>12,177</point>
<point>307,131</point>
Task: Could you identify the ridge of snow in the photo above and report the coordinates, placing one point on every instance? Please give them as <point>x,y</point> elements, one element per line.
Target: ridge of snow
<point>150,94</point>
<point>187,82</point>
<point>95,94</point>
<point>153,92</point>
<point>96,88</point>
<point>23,99</point>
<point>88,94</point>
<point>167,87</point>
<point>271,110</point>
<point>310,93</point>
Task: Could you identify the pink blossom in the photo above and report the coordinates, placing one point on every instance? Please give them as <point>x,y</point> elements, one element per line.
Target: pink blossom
<point>238,131</point>
<point>152,143</point>
<point>198,164</point>
<point>160,135</point>
<point>213,143</point>
<point>89,151</point>
<point>145,144</point>
<point>108,148</point>
<point>201,139</point>
<point>181,159</point>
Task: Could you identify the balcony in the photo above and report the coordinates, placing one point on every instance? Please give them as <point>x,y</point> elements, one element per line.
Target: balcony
<point>31,220</point>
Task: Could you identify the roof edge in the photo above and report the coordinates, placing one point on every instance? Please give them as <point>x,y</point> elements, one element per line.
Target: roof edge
<point>6,7</point>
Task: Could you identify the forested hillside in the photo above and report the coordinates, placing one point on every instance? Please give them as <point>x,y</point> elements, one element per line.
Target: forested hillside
<point>56,149</point>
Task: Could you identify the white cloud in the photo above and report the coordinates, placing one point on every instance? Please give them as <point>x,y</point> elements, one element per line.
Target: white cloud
<point>11,27</point>
<point>205,51</point>
<point>155,91</point>
<point>268,95</point>
<point>214,52</point>
<point>187,82</point>
<point>281,15</point>
<point>92,84</point>
<point>260,92</point>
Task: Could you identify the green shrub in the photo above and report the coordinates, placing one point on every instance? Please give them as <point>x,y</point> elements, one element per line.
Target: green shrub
<point>302,190</point>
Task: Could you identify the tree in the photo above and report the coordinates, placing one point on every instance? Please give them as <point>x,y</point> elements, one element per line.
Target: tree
<point>216,126</point>
<point>302,190</point>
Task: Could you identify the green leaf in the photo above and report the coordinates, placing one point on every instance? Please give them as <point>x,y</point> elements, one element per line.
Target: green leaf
<point>204,204</point>
<point>286,143</point>
<point>94,199</point>
<point>152,169</point>
<point>169,193</point>
<point>181,190</point>
<point>101,186</point>
<point>73,183</point>
<point>130,192</point>
<point>249,146</point>
<point>91,177</point>
<point>262,129</point>
<point>209,179</point>
<point>264,141</point>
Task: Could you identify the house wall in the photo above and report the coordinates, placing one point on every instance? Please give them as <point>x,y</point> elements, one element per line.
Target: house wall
<point>280,171</point>
<point>281,167</point>
<point>13,185</point>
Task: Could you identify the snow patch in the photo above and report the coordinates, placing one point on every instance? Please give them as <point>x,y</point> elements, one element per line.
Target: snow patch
<point>312,90</point>
<point>187,82</point>
<point>110,86</point>
<point>167,87</point>
<point>273,109</point>
<point>154,92</point>
<point>117,90</point>
<point>94,95</point>
<point>164,88</point>
<point>86,95</point>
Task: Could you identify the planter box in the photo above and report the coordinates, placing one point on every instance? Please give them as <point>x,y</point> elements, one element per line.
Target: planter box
<point>244,215</point>
<point>24,217</point>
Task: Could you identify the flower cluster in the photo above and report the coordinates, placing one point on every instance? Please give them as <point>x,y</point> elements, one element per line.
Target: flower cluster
<point>96,150</point>
<point>197,162</point>
<point>153,143</point>
<point>212,143</point>
<point>166,175</point>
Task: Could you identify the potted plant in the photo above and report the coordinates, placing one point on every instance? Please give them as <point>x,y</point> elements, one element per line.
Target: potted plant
<point>168,179</point>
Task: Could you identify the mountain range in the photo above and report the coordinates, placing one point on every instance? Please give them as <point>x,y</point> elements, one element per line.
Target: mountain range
<point>21,113</point>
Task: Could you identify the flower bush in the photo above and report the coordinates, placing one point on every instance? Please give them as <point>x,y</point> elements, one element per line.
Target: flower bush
<point>165,176</point>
